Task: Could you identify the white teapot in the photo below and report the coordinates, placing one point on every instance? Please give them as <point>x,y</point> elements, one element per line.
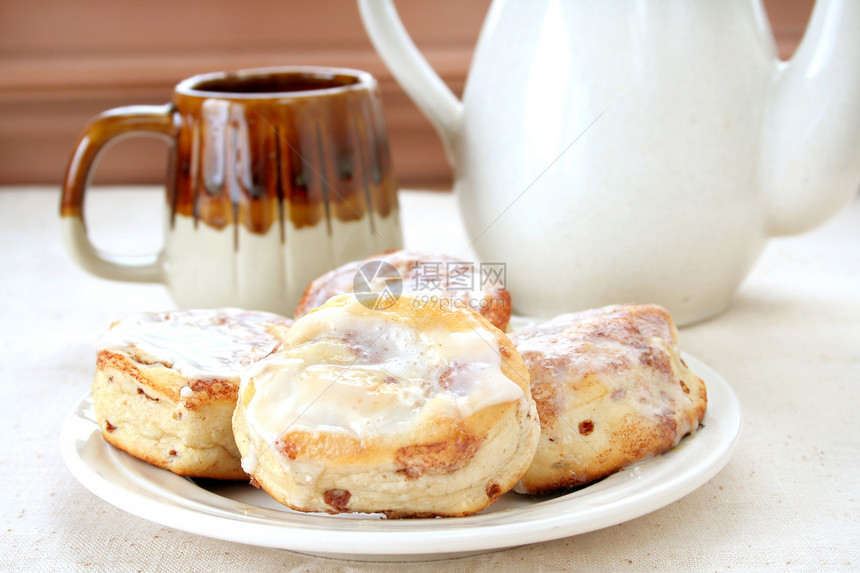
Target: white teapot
<point>621,151</point>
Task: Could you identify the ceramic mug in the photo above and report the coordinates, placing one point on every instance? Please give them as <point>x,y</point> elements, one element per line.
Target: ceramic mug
<point>275,176</point>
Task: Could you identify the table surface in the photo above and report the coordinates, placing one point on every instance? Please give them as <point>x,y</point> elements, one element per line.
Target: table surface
<point>789,345</point>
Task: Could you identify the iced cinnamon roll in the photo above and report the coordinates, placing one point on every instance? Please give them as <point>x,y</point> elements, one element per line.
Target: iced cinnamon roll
<point>611,389</point>
<point>435,279</point>
<point>166,383</point>
<point>409,410</point>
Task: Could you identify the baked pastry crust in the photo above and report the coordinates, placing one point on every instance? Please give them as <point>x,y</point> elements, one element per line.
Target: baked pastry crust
<point>426,275</point>
<point>611,389</point>
<point>410,411</point>
<point>165,385</point>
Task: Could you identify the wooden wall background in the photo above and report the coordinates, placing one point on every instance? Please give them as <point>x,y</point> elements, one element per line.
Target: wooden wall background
<point>63,62</point>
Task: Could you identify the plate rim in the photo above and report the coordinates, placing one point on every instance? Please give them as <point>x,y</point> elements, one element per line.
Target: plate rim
<point>408,538</point>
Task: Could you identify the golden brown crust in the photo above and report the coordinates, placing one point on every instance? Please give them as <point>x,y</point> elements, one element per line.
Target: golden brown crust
<point>165,382</point>
<point>611,389</point>
<point>140,411</point>
<point>492,302</point>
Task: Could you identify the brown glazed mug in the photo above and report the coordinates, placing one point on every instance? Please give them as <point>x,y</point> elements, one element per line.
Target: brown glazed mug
<point>275,176</point>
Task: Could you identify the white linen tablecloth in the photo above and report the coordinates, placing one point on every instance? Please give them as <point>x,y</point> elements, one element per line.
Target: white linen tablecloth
<point>789,346</point>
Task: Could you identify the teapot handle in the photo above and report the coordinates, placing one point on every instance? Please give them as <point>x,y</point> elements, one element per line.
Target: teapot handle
<point>411,70</point>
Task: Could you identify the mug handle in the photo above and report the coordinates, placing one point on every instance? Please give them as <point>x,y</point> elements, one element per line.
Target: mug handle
<point>105,129</point>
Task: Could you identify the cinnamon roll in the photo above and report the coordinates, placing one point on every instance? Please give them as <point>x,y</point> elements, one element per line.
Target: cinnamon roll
<point>434,278</point>
<point>411,410</point>
<point>611,389</point>
<point>166,383</point>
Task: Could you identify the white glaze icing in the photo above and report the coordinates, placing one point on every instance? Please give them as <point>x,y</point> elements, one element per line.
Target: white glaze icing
<point>200,344</point>
<point>347,369</point>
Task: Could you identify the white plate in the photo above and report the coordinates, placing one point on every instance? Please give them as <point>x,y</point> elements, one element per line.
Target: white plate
<point>241,513</point>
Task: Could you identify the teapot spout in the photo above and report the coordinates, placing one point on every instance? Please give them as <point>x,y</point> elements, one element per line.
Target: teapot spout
<point>811,150</point>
